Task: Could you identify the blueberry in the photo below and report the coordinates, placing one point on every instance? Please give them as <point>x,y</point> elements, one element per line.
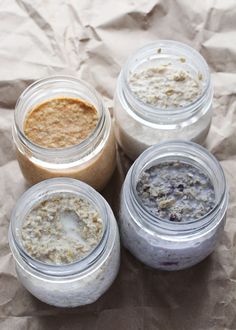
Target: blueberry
<point>173,217</point>
<point>180,187</point>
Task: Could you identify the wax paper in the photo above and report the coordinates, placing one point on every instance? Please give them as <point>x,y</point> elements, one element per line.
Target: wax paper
<point>91,39</point>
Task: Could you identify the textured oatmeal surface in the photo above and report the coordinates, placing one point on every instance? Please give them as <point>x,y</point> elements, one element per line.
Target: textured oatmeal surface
<point>166,85</point>
<point>62,229</point>
<point>60,122</point>
<point>176,191</point>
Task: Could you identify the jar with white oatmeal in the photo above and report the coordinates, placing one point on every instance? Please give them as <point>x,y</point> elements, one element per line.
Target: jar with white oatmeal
<point>62,129</point>
<point>65,242</point>
<point>173,205</point>
<point>163,92</point>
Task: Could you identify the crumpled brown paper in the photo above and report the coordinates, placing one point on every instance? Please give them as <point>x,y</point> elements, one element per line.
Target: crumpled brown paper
<point>92,39</point>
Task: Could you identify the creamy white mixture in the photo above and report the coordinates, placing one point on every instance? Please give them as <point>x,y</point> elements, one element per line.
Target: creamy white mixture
<point>134,136</point>
<point>62,229</point>
<point>166,86</point>
<point>80,289</point>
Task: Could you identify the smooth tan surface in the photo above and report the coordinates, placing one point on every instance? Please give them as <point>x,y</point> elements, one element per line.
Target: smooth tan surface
<point>92,39</point>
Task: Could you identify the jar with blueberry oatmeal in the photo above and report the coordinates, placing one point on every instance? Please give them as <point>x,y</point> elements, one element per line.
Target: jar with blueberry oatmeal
<point>173,205</point>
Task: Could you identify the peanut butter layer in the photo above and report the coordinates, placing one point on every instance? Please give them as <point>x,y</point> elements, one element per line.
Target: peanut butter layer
<point>60,122</point>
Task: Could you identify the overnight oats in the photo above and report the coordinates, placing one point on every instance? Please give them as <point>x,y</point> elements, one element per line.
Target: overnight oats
<point>61,229</point>
<point>62,129</point>
<point>65,241</point>
<point>173,205</point>
<point>60,122</point>
<point>163,92</point>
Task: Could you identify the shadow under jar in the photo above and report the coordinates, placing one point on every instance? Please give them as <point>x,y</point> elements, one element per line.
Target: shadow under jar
<point>72,284</point>
<point>92,160</point>
<point>170,243</point>
<point>163,92</point>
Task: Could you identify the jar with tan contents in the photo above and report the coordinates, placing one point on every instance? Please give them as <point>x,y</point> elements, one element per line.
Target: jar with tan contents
<point>61,128</point>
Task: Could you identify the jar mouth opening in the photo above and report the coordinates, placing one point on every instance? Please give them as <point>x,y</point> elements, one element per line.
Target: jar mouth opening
<point>148,53</point>
<point>176,150</point>
<point>64,151</point>
<point>47,189</point>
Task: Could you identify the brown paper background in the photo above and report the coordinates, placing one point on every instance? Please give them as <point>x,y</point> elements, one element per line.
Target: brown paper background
<point>91,39</point>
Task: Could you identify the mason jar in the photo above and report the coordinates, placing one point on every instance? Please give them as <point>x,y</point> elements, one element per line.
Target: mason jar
<point>92,161</point>
<point>68,285</point>
<point>139,125</point>
<point>165,244</point>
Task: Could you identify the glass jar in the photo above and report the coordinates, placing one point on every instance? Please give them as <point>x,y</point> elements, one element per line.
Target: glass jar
<point>139,125</point>
<point>92,161</point>
<point>81,282</point>
<point>161,243</point>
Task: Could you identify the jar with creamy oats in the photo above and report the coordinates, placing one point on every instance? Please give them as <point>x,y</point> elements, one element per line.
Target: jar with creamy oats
<point>62,129</point>
<point>173,205</point>
<point>65,242</point>
<point>163,92</point>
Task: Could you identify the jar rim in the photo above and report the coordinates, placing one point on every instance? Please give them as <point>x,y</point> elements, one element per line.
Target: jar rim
<point>65,151</point>
<point>52,187</point>
<point>153,113</point>
<point>174,148</point>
